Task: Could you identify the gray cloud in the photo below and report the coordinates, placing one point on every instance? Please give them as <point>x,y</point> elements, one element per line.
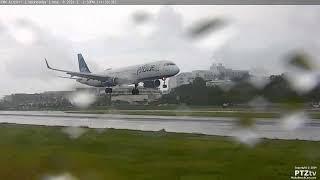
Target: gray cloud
<point>167,41</point>
<point>27,60</point>
<point>23,64</point>
<point>266,41</point>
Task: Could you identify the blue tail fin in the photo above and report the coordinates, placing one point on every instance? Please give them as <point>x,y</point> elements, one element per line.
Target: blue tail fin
<point>82,65</point>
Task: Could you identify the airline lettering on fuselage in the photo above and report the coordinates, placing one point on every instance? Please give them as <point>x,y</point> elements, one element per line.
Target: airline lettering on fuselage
<point>147,68</point>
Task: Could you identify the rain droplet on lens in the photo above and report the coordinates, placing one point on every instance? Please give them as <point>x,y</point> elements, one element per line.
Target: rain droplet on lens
<point>140,17</point>
<point>206,26</point>
<point>246,136</point>
<point>301,61</point>
<point>259,103</point>
<point>64,176</point>
<point>293,120</point>
<point>82,99</point>
<point>74,132</point>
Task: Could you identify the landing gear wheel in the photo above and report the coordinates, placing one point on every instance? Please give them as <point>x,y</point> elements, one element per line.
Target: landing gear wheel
<point>108,90</point>
<point>135,91</point>
<point>164,83</point>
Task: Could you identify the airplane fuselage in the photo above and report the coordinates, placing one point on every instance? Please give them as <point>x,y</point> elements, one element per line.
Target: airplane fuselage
<point>135,74</point>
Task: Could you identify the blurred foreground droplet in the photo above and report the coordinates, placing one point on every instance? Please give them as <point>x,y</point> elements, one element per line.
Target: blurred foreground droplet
<point>301,61</point>
<point>101,130</point>
<point>65,176</point>
<point>245,120</point>
<point>259,77</point>
<point>142,23</point>
<point>140,17</point>
<point>302,72</point>
<point>302,81</point>
<point>74,132</point>
<point>244,132</point>
<point>294,121</point>
<point>82,99</point>
<point>259,81</point>
<point>259,103</point>
<point>206,26</point>
<point>24,36</point>
<point>183,110</point>
<point>226,85</point>
<point>246,136</point>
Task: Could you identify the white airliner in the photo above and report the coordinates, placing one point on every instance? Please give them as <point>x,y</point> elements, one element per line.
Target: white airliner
<point>148,73</point>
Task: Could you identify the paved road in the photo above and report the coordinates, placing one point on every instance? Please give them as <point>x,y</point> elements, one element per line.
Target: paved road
<point>263,128</point>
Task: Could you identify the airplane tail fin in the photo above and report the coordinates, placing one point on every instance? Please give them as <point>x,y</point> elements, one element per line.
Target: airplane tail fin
<point>83,65</point>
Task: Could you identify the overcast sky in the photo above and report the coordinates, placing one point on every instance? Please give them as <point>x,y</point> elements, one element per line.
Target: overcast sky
<point>253,38</point>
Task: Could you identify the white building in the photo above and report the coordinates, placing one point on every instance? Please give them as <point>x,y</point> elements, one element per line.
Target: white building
<point>204,74</point>
<point>225,73</point>
<point>223,84</point>
<point>216,72</point>
<point>184,78</point>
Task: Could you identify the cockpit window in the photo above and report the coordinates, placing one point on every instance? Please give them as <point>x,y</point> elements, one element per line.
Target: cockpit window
<point>169,64</point>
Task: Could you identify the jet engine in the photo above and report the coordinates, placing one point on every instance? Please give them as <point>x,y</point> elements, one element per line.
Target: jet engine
<point>151,84</point>
<point>112,82</point>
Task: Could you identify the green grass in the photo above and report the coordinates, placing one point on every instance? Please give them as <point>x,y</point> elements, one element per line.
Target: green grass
<point>30,152</point>
<point>190,112</point>
<point>193,112</point>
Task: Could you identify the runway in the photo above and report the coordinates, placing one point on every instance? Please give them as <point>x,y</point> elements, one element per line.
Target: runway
<point>263,128</point>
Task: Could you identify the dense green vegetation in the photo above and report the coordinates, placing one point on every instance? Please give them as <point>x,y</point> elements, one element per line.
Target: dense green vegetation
<point>278,90</point>
<point>30,152</point>
<point>235,113</point>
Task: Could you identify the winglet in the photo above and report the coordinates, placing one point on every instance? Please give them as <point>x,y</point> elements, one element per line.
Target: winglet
<point>47,64</point>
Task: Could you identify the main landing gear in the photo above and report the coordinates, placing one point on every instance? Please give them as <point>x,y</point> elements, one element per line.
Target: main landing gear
<point>164,83</point>
<point>135,90</point>
<point>108,90</point>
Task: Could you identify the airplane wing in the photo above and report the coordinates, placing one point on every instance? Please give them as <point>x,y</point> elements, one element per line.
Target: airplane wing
<point>68,77</point>
<point>80,74</point>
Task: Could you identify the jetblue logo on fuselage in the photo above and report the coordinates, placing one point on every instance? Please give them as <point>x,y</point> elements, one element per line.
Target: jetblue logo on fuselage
<point>147,68</point>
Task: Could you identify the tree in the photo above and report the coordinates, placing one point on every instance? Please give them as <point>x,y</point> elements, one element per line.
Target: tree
<point>198,82</point>
<point>279,90</point>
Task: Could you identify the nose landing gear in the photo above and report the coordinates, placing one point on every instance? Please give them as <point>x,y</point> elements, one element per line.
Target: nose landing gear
<point>164,83</point>
<point>135,90</point>
<point>108,90</point>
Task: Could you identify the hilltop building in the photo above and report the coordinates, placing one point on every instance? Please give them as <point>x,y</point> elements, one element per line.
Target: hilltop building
<point>217,74</point>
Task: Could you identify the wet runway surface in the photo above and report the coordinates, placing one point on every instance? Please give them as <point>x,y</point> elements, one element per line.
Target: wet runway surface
<point>263,128</point>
